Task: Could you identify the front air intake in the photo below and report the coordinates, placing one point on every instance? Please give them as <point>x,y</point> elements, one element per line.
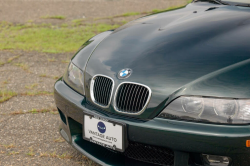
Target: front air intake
<point>132,98</point>
<point>150,154</point>
<point>101,89</point>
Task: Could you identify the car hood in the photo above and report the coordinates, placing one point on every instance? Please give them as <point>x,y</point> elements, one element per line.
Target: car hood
<point>202,49</point>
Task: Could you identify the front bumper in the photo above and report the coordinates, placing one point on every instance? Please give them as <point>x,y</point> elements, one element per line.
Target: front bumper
<point>182,137</point>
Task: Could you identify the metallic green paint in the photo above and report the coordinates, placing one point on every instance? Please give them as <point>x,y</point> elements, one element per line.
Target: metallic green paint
<point>202,49</point>
<point>177,53</point>
<point>178,135</point>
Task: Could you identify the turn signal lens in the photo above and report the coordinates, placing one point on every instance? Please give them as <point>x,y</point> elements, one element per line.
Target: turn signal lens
<point>248,143</point>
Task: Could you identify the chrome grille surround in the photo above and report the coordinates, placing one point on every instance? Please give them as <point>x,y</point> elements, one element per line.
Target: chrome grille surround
<point>93,94</point>
<point>129,112</point>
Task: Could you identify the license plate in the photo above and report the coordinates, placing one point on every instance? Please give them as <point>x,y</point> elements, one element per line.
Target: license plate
<point>104,132</point>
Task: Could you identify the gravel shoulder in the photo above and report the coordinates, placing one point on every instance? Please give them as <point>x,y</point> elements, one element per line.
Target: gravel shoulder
<point>21,11</point>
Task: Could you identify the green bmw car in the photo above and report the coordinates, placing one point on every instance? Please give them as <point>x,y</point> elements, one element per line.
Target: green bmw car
<point>171,88</point>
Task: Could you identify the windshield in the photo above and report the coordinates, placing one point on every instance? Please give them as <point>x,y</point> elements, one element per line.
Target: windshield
<point>230,2</point>
<point>237,1</point>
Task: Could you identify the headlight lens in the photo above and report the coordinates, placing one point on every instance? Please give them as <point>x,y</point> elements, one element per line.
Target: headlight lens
<point>74,78</point>
<point>193,105</point>
<point>225,108</point>
<point>206,109</point>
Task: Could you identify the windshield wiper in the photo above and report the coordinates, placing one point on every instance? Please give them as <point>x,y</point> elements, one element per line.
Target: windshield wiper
<point>243,5</point>
<point>215,1</point>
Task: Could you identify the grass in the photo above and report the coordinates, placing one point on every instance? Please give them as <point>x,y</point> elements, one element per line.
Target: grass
<point>47,38</point>
<point>45,154</point>
<point>59,140</point>
<point>35,111</point>
<point>154,11</point>
<point>51,51</point>
<point>43,75</point>
<point>47,76</point>
<point>31,152</point>
<point>1,63</point>
<point>9,146</point>
<point>78,22</point>
<point>13,153</point>
<point>54,17</point>
<point>63,38</point>
<point>6,95</point>
<point>12,58</point>
<point>130,14</point>
<point>5,82</point>
<point>65,156</point>
<point>9,60</point>
<point>65,61</point>
<point>22,66</point>
<point>53,155</point>
<point>56,77</point>
<point>51,59</point>
<point>32,86</point>
<point>38,93</point>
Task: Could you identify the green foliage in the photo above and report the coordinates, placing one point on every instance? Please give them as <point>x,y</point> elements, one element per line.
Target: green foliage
<point>6,95</point>
<point>145,12</point>
<point>47,38</point>
<point>78,22</point>
<point>57,39</point>
<point>130,14</point>
<point>32,86</point>
<point>37,93</point>
<point>23,66</point>
<point>12,58</point>
<point>166,10</point>
<point>9,60</point>
<point>54,17</point>
<point>1,63</point>
<point>31,152</point>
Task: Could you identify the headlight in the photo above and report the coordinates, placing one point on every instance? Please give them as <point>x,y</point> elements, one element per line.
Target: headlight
<point>206,109</point>
<point>74,78</point>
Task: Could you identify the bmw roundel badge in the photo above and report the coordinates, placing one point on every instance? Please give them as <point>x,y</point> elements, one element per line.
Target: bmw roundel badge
<point>101,127</point>
<point>124,73</point>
